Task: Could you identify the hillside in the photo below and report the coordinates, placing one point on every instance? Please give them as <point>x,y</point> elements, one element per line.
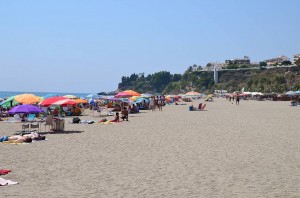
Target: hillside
<point>277,79</point>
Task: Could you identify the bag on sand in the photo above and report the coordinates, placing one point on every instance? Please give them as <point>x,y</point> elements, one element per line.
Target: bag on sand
<point>76,120</point>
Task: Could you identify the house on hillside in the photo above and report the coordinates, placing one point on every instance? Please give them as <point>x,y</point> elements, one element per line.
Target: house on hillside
<point>296,57</point>
<point>238,61</point>
<point>276,61</point>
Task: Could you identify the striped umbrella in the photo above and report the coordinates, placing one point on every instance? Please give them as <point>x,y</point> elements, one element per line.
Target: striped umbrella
<point>57,101</point>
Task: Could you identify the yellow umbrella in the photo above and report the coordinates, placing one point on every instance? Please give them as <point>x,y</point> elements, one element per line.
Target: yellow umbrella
<point>134,98</point>
<point>27,98</point>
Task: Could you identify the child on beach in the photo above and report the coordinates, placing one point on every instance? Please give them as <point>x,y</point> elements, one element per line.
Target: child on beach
<point>117,118</point>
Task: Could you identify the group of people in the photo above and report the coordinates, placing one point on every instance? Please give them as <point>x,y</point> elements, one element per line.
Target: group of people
<point>124,116</point>
<point>236,98</point>
<point>63,111</point>
<point>156,101</point>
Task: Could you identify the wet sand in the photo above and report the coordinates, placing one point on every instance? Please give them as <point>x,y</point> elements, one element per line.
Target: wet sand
<point>250,150</point>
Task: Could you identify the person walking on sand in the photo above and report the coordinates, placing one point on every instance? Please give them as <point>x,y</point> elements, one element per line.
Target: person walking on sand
<point>237,101</point>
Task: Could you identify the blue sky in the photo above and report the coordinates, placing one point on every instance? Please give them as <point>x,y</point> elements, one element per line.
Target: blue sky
<point>87,46</point>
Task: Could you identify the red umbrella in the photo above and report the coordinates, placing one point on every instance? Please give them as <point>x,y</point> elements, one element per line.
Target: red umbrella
<point>123,95</point>
<point>57,101</point>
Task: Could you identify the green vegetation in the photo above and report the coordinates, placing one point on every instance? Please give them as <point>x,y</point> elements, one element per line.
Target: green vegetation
<point>154,83</point>
<point>297,62</point>
<point>263,64</point>
<point>279,79</point>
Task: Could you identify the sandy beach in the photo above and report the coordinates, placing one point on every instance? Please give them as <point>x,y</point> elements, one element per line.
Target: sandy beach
<point>250,150</point>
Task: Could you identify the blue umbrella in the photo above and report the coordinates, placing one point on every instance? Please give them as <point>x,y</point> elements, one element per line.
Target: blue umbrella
<point>50,95</point>
<point>297,92</point>
<point>290,93</point>
<point>25,108</point>
<point>93,96</point>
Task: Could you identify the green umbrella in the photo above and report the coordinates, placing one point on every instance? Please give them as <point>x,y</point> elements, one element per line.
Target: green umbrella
<point>9,102</point>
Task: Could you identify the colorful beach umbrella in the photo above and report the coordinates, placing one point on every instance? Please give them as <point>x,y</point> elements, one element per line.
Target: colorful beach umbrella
<point>80,101</point>
<point>50,95</point>
<point>25,108</point>
<point>9,102</point>
<point>123,95</point>
<point>27,98</point>
<point>193,93</point>
<point>132,93</point>
<point>57,101</point>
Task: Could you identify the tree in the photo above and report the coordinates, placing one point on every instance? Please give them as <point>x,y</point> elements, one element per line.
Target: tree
<point>209,66</point>
<point>232,66</point>
<point>244,66</point>
<point>286,63</point>
<point>263,64</point>
<point>160,80</point>
<point>176,77</point>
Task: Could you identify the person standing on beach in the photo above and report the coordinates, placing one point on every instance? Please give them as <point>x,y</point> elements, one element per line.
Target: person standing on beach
<point>151,103</point>
<point>237,101</point>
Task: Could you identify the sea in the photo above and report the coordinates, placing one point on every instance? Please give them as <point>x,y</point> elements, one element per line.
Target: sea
<point>5,94</point>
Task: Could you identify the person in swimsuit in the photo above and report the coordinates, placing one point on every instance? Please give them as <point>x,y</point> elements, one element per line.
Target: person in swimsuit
<point>20,139</point>
<point>16,139</point>
<point>117,118</point>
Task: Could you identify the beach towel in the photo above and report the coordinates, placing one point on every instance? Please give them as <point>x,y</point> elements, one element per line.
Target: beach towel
<point>4,182</point>
<point>14,143</point>
<point>87,121</point>
<point>4,171</point>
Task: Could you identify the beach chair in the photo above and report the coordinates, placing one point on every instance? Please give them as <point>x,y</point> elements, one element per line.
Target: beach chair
<point>31,117</point>
<point>35,126</point>
<point>25,128</point>
<point>203,106</point>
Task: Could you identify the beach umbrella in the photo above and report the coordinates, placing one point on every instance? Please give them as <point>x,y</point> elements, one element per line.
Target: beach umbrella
<point>80,101</point>
<point>132,93</point>
<point>25,108</point>
<point>140,100</point>
<point>146,95</point>
<point>9,102</point>
<point>123,95</point>
<point>115,99</point>
<point>297,92</point>
<point>193,94</point>
<point>57,101</point>
<point>70,96</point>
<point>50,95</point>
<point>92,96</point>
<point>27,98</point>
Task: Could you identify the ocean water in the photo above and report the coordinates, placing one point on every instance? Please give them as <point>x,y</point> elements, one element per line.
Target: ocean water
<point>5,94</point>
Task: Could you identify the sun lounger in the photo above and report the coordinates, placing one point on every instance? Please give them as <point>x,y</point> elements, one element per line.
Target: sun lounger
<point>31,117</point>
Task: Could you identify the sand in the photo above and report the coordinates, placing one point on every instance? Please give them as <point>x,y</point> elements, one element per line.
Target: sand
<point>250,150</point>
